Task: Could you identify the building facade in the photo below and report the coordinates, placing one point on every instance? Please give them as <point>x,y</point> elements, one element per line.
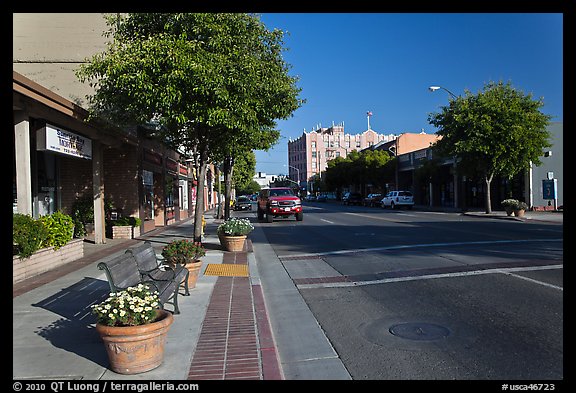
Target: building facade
<point>309,154</point>
<point>434,181</point>
<point>264,179</point>
<point>59,157</point>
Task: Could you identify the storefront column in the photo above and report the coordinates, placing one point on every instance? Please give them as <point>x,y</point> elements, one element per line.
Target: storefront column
<point>23,163</point>
<point>98,192</point>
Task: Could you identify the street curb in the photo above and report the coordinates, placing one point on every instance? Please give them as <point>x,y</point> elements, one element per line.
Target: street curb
<point>304,351</point>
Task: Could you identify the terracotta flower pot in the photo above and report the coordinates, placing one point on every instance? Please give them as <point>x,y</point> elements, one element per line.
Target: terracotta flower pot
<point>232,243</point>
<point>136,349</point>
<point>519,213</point>
<point>193,272</point>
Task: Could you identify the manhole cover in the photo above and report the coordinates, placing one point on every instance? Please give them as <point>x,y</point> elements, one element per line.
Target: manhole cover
<point>419,331</point>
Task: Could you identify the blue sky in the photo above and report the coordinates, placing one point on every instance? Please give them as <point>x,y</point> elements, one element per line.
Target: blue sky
<point>351,63</point>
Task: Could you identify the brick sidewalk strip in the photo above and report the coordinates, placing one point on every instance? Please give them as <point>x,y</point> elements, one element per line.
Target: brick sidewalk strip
<point>228,345</point>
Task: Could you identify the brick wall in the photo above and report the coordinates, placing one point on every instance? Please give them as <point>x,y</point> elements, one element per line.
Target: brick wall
<point>121,179</point>
<point>75,180</point>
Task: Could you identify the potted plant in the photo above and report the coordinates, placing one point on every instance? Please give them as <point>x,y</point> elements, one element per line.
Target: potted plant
<point>187,253</point>
<point>233,232</point>
<point>509,205</point>
<point>133,328</point>
<point>520,209</point>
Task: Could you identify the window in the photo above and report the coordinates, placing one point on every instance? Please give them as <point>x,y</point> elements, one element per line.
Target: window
<point>148,183</point>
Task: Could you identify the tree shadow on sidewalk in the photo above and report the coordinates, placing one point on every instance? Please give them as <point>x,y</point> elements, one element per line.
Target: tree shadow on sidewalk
<point>75,332</point>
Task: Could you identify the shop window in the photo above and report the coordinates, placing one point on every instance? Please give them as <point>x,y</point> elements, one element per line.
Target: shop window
<point>148,183</point>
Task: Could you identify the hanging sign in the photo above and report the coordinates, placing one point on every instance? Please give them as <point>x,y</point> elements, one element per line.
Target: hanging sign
<point>51,138</point>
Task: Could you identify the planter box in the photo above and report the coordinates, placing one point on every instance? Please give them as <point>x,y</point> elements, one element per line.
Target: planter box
<point>125,232</point>
<point>46,259</point>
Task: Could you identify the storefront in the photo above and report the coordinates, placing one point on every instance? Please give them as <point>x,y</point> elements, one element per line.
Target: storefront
<point>171,191</point>
<point>152,190</point>
<point>183,191</point>
<point>50,147</point>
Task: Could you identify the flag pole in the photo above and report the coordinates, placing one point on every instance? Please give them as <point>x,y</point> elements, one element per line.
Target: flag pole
<point>368,114</point>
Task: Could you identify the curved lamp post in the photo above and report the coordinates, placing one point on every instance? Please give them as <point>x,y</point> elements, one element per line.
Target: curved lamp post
<point>297,171</point>
<point>434,88</point>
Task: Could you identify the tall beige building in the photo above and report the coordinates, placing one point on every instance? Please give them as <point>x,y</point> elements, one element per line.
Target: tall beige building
<point>48,47</point>
<point>309,154</point>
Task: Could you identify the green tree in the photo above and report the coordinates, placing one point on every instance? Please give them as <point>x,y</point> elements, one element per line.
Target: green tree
<point>373,163</point>
<point>359,168</point>
<point>251,188</point>
<point>244,170</point>
<point>210,85</point>
<point>498,131</point>
<point>336,174</point>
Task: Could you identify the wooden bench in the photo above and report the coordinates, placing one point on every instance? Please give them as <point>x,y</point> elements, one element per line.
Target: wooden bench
<point>123,272</point>
<point>150,265</point>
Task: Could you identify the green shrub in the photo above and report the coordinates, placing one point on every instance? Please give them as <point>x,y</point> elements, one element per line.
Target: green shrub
<point>182,251</point>
<point>28,235</point>
<point>60,229</point>
<point>83,213</point>
<point>127,222</point>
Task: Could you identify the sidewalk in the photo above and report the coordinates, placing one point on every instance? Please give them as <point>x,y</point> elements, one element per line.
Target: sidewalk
<point>269,333</point>
<point>530,216</point>
<point>533,216</point>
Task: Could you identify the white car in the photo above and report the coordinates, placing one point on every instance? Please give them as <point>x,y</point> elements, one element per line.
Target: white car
<point>398,199</point>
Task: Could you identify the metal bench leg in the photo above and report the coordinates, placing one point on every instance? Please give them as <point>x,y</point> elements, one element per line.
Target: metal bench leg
<point>175,302</point>
<point>185,282</point>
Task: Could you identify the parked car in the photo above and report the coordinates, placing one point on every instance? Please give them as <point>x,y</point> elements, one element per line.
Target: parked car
<point>372,200</point>
<point>321,198</point>
<point>242,203</point>
<point>310,198</point>
<point>279,202</point>
<point>352,198</point>
<point>398,199</point>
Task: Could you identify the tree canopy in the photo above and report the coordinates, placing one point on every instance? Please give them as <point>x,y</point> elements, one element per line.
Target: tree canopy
<point>214,84</point>
<point>498,131</point>
<point>360,168</point>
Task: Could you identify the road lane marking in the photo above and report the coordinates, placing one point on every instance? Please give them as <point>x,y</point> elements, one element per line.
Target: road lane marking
<point>433,276</point>
<point>381,218</point>
<point>401,247</point>
<point>329,222</point>
<point>533,280</point>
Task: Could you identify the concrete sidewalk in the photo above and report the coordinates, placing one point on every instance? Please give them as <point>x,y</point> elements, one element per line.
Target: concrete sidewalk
<point>277,337</point>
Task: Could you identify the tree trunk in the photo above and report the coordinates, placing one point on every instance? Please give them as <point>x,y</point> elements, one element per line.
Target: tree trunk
<point>199,209</point>
<point>228,167</point>
<point>488,204</point>
<point>219,211</point>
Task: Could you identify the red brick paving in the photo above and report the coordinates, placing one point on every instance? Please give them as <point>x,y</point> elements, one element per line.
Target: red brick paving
<point>235,341</point>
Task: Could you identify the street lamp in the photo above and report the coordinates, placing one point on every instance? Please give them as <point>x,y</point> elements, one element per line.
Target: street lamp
<point>297,171</point>
<point>434,88</point>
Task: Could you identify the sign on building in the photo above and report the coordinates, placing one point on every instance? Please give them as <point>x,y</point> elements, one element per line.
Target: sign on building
<point>51,138</point>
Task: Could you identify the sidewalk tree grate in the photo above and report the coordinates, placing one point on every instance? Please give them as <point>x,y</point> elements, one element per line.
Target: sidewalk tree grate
<point>226,270</point>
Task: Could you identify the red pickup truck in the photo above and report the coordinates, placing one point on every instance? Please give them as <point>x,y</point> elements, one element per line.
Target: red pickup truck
<point>279,202</point>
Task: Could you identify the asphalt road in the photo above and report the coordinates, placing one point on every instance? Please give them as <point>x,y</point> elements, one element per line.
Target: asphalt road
<point>415,295</point>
